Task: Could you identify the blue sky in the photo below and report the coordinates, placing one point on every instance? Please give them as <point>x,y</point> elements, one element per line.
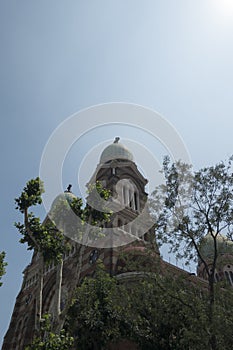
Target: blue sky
<point>58,57</point>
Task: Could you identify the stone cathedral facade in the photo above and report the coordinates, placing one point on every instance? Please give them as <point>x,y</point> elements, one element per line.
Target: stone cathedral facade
<point>132,229</point>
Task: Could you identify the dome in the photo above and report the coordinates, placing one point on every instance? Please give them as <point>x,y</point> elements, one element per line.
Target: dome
<point>115,151</point>
<point>224,246</point>
<point>62,198</point>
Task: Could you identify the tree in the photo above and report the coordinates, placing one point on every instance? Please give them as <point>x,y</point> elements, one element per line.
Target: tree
<point>45,240</point>
<point>166,310</point>
<point>3,264</point>
<point>189,206</point>
<point>48,340</point>
<point>50,242</point>
<point>96,315</point>
<point>151,310</point>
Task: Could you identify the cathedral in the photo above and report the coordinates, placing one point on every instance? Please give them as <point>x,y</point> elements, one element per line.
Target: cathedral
<point>130,228</point>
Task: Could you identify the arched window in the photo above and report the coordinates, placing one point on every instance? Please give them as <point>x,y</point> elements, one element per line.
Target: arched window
<point>136,201</point>
<point>128,193</point>
<point>124,194</point>
<point>130,199</point>
<point>227,276</point>
<point>231,275</point>
<point>228,273</point>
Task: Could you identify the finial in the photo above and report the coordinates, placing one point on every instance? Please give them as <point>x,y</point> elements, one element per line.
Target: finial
<point>68,188</point>
<point>116,139</point>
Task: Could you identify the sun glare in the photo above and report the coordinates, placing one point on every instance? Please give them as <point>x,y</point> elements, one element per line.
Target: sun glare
<point>224,7</point>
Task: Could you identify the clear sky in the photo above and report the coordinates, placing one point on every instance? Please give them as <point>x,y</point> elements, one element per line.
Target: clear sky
<point>58,57</point>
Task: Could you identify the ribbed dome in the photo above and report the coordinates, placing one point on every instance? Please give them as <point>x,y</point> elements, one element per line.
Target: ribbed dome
<point>224,246</point>
<point>115,151</point>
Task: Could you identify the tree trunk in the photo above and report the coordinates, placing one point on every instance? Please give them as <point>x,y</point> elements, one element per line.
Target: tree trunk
<point>78,258</point>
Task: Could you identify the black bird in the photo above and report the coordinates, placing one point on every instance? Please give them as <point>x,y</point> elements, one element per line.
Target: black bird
<point>68,188</point>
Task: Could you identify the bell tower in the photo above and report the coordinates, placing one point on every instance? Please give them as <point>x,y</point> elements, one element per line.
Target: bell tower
<point>118,172</point>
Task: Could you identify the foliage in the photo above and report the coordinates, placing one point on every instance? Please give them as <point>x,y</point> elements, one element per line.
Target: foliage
<point>45,239</point>
<point>31,195</point>
<point>49,340</point>
<point>95,317</point>
<point>164,319</point>
<point>154,311</point>
<point>3,264</point>
<point>189,206</point>
<point>165,310</point>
